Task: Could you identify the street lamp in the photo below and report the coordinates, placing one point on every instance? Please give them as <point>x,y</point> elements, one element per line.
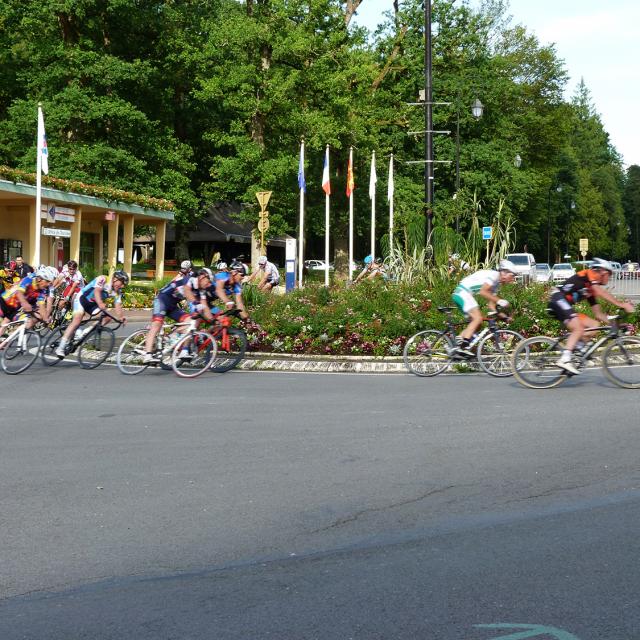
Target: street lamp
<point>558,189</point>
<point>517,161</point>
<point>477,108</point>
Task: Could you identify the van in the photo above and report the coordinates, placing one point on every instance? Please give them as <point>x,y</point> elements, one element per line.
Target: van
<point>525,265</point>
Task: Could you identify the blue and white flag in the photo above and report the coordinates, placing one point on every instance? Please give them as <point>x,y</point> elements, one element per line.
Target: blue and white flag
<point>301,181</point>
<point>43,152</point>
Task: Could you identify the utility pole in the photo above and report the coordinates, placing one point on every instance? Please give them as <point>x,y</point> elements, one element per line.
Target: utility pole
<point>428,121</point>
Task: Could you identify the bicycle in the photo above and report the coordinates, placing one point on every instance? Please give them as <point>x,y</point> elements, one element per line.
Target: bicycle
<point>534,359</point>
<point>19,350</point>
<point>430,352</point>
<point>173,343</point>
<point>94,343</point>
<point>231,342</point>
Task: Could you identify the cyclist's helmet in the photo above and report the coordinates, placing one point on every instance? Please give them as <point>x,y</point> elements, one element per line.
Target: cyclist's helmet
<point>185,266</point>
<point>238,267</point>
<point>123,276</point>
<point>11,265</point>
<point>507,265</point>
<point>206,272</point>
<point>262,260</point>
<point>222,266</point>
<point>368,260</point>
<point>47,273</point>
<point>602,265</point>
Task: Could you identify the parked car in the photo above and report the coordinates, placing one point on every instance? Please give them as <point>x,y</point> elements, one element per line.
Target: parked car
<point>630,270</point>
<point>562,271</point>
<point>617,268</point>
<point>543,272</point>
<point>525,265</point>
<point>317,265</point>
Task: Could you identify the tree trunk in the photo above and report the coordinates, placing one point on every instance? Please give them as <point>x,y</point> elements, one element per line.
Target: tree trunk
<point>182,243</point>
<point>341,256</point>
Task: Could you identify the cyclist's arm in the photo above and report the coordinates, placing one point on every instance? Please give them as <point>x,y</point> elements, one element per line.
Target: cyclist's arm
<point>222,294</point>
<point>601,292</point>
<point>188,294</point>
<point>97,294</point>
<point>24,303</point>
<point>240,304</point>
<point>486,291</point>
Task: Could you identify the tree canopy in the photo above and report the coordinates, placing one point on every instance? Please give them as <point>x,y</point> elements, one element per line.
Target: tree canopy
<point>208,100</point>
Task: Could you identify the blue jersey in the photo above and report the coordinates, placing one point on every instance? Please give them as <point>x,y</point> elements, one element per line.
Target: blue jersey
<point>175,289</point>
<point>89,291</point>
<point>229,287</point>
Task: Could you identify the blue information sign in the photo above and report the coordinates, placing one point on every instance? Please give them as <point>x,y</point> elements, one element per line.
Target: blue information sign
<point>487,233</point>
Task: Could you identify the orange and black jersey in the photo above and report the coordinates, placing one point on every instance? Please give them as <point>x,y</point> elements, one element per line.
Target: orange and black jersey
<point>578,287</point>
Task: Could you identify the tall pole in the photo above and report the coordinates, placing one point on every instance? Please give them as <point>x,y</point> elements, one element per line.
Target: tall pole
<point>428,119</point>
<point>458,161</point>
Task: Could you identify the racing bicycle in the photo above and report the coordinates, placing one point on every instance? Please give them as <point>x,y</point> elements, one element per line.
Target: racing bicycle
<point>431,352</point>
<point>535,359</point>
<point>19,350</point>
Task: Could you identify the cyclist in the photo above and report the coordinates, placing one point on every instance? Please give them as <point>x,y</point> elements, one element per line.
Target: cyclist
<point>167,304</point>
<point>93,298</point>
<point>266,274</point>
<point>8,276</point>
<point>228,284</point>
<point>485,283</point>
<point>71,279</point>
<point>372,269</point>
<point>32,290</point>
<point>585,285</point>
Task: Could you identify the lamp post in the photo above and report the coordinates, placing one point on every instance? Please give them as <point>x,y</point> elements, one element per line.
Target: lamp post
<point>558,189</point>
<point>428,120</point>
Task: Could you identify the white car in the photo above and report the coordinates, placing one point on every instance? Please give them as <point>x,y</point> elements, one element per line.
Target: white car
<point>317,265</point>
<point>543,272</point>
<point>562,271</point>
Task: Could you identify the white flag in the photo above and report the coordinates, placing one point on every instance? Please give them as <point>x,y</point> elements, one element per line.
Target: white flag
<point>43,152</point>
<point>373,178</point>
<point>390,185</point>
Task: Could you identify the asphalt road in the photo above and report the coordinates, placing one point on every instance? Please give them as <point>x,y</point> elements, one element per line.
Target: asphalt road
<point>264,505</point>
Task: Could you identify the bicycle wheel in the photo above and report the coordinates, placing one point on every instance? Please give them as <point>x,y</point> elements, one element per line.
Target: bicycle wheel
<point>52,342</point>
<point>427,353</point>
<point>193,354</point>
<point>96,347</point>
<point>227,359</point>
<point>20,352</point>
<point>495,351</point>
<point>131,353</point>
<point>534,363</point>
<point>621,362</point>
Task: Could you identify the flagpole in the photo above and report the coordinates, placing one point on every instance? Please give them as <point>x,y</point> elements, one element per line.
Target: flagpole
<point>350,217</point>
<point>390,190</point>
<point>326,222</point>
<point>35,258</point>
<point>372,194</point>
<point>301,240</point>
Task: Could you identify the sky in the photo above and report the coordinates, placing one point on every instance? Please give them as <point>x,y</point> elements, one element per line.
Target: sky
<point>598,41</point>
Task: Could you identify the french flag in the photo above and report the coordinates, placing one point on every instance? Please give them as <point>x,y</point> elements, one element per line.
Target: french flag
<point>326,184</point>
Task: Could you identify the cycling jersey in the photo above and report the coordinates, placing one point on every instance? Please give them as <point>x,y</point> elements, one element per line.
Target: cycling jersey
<point>574,289</point>
<point>28,289</point>
<point>107,294</point>
<point>273,275</point>
<point>175,289</point>
<point>70,279</point>
<point>464,292</point>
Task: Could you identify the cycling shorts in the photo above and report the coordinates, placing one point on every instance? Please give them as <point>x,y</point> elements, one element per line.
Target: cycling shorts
<point>464,300</point>
<point>81,304</point>
<point>561,309</point>
<point>166,307</point>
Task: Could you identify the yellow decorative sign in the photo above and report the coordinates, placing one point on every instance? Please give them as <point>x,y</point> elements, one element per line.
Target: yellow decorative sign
<point>263,198</point>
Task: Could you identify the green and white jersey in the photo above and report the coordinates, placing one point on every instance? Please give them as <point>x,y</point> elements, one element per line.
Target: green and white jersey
<point>477,280</point>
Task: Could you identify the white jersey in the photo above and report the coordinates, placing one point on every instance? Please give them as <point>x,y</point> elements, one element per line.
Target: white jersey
<point>271,270</point>
<point>72,278</point>
<point>477,280</point>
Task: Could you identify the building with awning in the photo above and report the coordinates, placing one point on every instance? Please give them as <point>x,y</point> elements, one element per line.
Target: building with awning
<point>74,226</point>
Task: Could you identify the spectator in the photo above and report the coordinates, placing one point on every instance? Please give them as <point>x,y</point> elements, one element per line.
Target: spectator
<point>372,269</point>
<point>266,274</point>
<point>22,268</point>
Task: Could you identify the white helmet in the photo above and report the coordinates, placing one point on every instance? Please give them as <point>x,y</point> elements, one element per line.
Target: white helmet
<point>262,260</point>
<point>599,263</point>
<point>507,265</point>
<point>47,273</point>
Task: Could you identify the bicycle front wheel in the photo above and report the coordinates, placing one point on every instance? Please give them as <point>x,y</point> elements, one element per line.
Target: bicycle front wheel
<point>534,363</point>
<point>96,347</point>
<point>49,347</point>
<point>20,352</point>
<point>231,349</point>
<point>495,351</point>
<point>131,353</point>
<point>621,362</point>
<point>427,353</point>
<point>193,354</point>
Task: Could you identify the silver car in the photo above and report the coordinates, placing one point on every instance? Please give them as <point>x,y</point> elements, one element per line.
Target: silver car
<point>543,272</point>
<point>562,271</point>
